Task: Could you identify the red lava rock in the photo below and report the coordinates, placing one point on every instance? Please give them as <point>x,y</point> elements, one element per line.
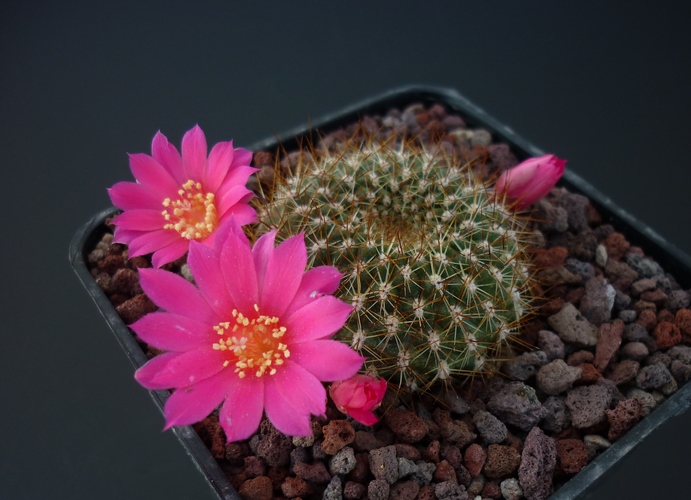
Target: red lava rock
<point>431,453</point>
<point>407,451</point>
<point>623,417</point>
<point>657,297</point>
<point>426,493</point>
<point>259,488</point>
<point>236,452</point>
<point>647,319</point>
<point>354,491</point>
<point>616,245</point>
<point>403,490</point>
<point>575,296</point>
<point>111,263</point>
<point>667,335</point>
<point>406,425</point>
<point>550,257</point>
<point>502,461</point>
<point>444,472</point>
<point>624,372</point>
<point>361,470</point>
<point>491,490</point>
<point>337,434</point>
<point>552,307</point>
<point>296,487</point>
<point>213,437</point>
<point>277,476</point>
<point>474,460</point>
<point>608,342</point>
<point>261,158</point>
<point>665,315</point>
<point>572,455</point>
<point>366,441</point>
<point>273,446</point>
<point>126,281</point>
<point>254,466</point>
<point>589,374</point>
<point>313,473</point>
<point>580,357</point>
<point>683,320</point>
<point>452,454</point>
<point>135,308</point>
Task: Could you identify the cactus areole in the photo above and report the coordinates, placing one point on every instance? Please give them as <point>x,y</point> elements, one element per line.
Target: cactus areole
<point>434,265</point>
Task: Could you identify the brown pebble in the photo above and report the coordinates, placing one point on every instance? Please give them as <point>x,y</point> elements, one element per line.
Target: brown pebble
<point>126,281</point>
<point>212,435</point>
<point>608,342</point>
<point>431,452</point>
<point>259,488</point>
<point>665,315</point>
<point>111,263</point>
<point>254,466</point>
<point>408,427</point>
<point>426,493</point>
<point>623,417</point>
<point>616,245</point>
<point>657,297</point>
<point>502,461</point>
<point>647,319</point>
<point>550,257</point>
<point>361,470</point>
<point>295,487</point>
<point>572,455</point>
<point>354,491</point>
<point>491,490</point>
<point>667,335</point>
<point>624,371</point>
<point>579,358</point>
<point>313,473</point>
<point>138,262</point>
<point>589,374</point>
<point>475,458</point>
<point>444,472</point>
<point>337,434</point>
<point>683,320</point>
<point>408,451</point>
<point>552,307</point>
<point>135,308</point>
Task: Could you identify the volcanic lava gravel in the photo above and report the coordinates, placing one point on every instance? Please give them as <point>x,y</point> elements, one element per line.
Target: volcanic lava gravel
<point>611,341</point>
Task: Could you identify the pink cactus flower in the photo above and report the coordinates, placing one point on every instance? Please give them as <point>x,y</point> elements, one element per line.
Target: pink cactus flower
<point>358,396</point>
<point>530,180</point>
<point>254,335</point>
<point>178,199</point>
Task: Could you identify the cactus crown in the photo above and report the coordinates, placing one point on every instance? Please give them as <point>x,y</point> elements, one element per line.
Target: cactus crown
<point>435,268</point>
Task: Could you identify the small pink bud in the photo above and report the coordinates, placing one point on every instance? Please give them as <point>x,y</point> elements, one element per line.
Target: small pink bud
<point>530,180</point>
<point>358,396</point>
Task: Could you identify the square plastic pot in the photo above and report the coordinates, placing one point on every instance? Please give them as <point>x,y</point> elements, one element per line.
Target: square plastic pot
<point>672,260</point>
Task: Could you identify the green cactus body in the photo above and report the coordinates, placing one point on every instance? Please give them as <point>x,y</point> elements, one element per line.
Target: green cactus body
<point>434,267</point>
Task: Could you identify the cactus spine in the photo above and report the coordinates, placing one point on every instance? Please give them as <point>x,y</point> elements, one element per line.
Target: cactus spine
<point>435,268</point>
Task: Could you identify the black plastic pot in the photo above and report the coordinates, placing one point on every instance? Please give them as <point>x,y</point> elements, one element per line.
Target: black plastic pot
<point>672,259</point>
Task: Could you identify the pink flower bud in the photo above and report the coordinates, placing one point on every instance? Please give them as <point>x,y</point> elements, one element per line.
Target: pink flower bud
<point>530,180</point>
<point>358,396</point>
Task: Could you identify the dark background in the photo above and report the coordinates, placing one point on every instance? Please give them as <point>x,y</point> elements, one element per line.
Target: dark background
<point>83,83</point>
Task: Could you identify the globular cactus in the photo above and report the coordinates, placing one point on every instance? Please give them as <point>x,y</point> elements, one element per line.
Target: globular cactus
<point>435,267</point>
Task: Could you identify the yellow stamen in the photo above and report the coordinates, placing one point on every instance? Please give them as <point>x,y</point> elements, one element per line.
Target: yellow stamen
<point>252,343</point>
<point>194,214</point>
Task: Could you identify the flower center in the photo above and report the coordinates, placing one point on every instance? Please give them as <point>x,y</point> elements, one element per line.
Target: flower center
<point>253,345</point>
<point>193,215</point>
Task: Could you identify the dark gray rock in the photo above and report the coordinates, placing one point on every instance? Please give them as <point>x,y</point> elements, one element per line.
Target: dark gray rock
<point>378,490</point>
<point>551,345</point>
<point>677,299</point>
<point>557,416</point>
<point>524,366</point>
<point>597,301</point>
<point>450,490</point>
<point>517,404</point>
<point>538,460</point>
<point>628,315</point>
<point>383,464</point>
<point>644,266</point>
<point>572,327</point>
<point>557,377</point>
<point>491,429</point>
<point>583,269</point>
<point>653,376</point>
<point>343,461</point>
<point>334,490</point>
<point>587,405</point>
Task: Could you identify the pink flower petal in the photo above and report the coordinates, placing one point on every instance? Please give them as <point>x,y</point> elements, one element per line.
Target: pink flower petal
<point>244,214</point>
<point>149,172</point>
<point>168,156</point>
<point>219,162</point>
<point>316,282</point>
<point>206,269</point>
<point>237,266</point>
<point>283,275</point>
<point>130,195</point>
<point>262,251</point>
<point>282,415</point>
<point>328,360</point>
<point>318,319</point>
<point>140,220</point>
<point>242,157</point>
<point>147,373</point>
<point>176,295</point>
<point>237,175</point>
<point>232,196</point>
<point>242,411</point>
<point>193,404</point>
<point>194,153</point>
<point>173,332</point>
<point>188,368</point>
<point>366,417</point>
<point>170,252</point>
<point>145,243</point>
<point>300,388</point>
